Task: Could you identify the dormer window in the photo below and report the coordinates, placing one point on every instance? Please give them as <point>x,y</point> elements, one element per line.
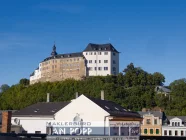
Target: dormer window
<point>107,107</point>
<point>148,121</point>
<point>105,48</point>
<point>116,108</point>
<point>175,123</point>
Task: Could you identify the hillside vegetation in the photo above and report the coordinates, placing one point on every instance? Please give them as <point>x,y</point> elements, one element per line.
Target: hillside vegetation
<point>133,89</point>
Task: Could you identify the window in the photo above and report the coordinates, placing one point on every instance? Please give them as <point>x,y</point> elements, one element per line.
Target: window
<point>165,132</point>
<point>157,131</point>
<point>99,61</point>
<point>155,121</point>
<point>114,131</point>
<point>175,123</point>
<point>172,123</point>
<point>178,123</point>
<point>99,68</point>
<point>145,131</point>
<point>124,131</point>
<point>148,121</point>
<point>105,68</point>
<point>95,61</point>
<point>90,61</point>
<point>105,61</point>
<point>176,133</point>
<point>94,53</point>
<point>114,54</point>
<point>151,131</point>
<point>24,132</point>
<point>95,68</point>
<point>107,107</point>
<point>99,53</point>
<point>114,69</point>
<point>181,133</point>
<point>37,132</point>
<point>106,53</point>
<point>170,133</point>
<point>114,62</point>
<point>116,108</point>
<point>86,53</point>
<point>55,66</point>
<point>90,53</point>
<point>90,68</point>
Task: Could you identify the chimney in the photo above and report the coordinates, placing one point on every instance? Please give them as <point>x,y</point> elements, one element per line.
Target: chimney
<point>144,110</point>
<point>102,95</point>
<point>48,97</point>
<point>76,94</point>
<point>6,121</point>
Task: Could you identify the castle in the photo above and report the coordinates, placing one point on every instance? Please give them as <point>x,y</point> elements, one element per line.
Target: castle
<point>95,60</point>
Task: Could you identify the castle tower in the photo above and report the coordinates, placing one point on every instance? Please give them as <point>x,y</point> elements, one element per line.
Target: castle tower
<point>54,51</point>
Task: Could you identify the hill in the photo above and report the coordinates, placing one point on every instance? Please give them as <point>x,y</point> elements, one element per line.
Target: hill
<point>133,89</point>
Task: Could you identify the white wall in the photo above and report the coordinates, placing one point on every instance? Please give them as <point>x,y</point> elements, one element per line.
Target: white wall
<point>94,55</point>
<point>36,76</point>
<point>88,110</point>
<point>176,121</point>
<point>173,129</point>
<point>32,124</point>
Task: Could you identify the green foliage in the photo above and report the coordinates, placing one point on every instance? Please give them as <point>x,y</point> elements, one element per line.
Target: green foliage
<point>24,82</point>
<point>4,87</point>
<point>133,89</point>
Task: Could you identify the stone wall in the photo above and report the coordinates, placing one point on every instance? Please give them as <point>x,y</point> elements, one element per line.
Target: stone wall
<point>61,69</point>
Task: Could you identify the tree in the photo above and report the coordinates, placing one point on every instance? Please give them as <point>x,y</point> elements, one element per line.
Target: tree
<point>24,82</point>
<point>4,87</point>
<point>133,89</point>
<point>159,79</point>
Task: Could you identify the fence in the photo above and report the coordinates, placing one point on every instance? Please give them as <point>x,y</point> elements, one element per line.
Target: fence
<point>13,136</point>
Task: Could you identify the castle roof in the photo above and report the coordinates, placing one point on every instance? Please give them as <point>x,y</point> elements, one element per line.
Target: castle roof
<point>69,55</point>
<point>100,47</point>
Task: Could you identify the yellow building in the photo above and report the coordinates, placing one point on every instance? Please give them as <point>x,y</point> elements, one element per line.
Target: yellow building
<point>152,122</point>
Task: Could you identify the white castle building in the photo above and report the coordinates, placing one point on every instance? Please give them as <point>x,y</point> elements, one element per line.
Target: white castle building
<point>95,60</point>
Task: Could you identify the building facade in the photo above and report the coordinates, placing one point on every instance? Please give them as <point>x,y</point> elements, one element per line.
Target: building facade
<point>106,116</point>
<point>174,126</point>
<point>152,123</point>
<point>95,60</point>
<point>102,60</point>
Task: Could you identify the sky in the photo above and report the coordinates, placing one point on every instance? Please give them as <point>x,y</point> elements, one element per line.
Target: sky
<point>149,33</point>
